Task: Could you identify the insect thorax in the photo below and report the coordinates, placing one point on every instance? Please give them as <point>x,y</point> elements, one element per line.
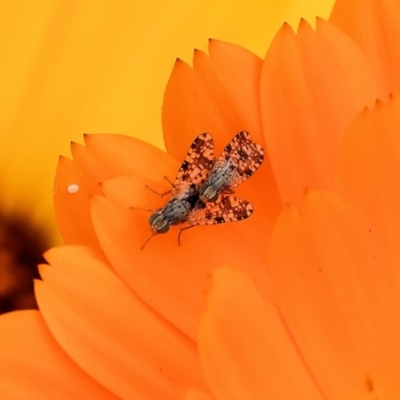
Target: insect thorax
<point>220,179</point>
<point>176,211</point>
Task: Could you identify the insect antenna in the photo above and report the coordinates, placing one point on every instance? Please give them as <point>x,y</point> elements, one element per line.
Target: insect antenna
<point>147,240</point>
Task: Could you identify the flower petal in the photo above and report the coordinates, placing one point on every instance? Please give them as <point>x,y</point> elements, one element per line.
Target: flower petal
<point>34,366</point>
<point>313,84</point>
<point>336,299</point>
<point>134,156</point>
<point>93,164</point>
<point>72,209</point>
<point>374,25</point>
<point>195,394</point>
<point>245,349</point>
<point>170,278</point>
<point>368,172</point>
<point>219,96</point>
<point>122,343</point>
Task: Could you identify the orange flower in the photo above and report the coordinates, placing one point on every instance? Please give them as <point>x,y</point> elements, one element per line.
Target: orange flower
<point>306,302</point>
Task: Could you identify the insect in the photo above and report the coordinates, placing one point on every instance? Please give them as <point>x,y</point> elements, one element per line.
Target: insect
<point>237,163</point>
<point>185,191</point>
<point>193,201</point>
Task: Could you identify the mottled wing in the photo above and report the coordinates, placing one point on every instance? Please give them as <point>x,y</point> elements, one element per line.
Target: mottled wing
<point>197,164</point>
<point>247,159</point>
<point>241,139</point>
<point>224,209</point>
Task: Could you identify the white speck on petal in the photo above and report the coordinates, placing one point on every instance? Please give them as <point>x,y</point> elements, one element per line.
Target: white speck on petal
<point>74,188</point>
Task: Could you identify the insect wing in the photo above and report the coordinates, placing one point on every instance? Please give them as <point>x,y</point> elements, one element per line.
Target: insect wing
<point>248,159</point>
<point>224,209</point>
<point>241,139</point>
<point>197,164</point>
<point>237,163</point>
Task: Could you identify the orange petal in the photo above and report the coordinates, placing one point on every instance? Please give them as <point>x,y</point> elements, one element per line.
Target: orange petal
<point>313,84</point>
<point>104,157</point>
<point>245,350</point>
<point>219,96</point>
<point>124,155</point>
<point>33,365</point>
<point>110,332</point>
<point>170,278</point>
<point>195,394</point>
<point>335,298</point>
<point>135,192</point>
<point>261,191</point>
<point>374,25</point>
<point>236,63</point>
<point>72,209</point>
<point>368,172</point>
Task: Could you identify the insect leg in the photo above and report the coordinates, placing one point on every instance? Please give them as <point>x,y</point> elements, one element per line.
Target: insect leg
<point>180,232</point>
<point>166,178</point>
<point>141,209</point>
<point>227,191</point>
<point>159,194</point>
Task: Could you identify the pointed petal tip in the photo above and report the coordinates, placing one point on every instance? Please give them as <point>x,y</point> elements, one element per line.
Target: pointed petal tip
<point>304,24</point>
<point>62,158</point>
<point>41,268</point>
<point>73,145</point>
<point>37,282</point>
<point>179,65</point>
<point>286,28</point>
<point>46,254</point>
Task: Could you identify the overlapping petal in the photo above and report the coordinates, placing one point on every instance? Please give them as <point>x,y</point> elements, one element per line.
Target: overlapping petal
<point>246,351</point>
<point>333,265</point>
<point>368,172</point>
<point>170,278</point>
<point>313,85</point>
<point>331,255</point>
<point>101,324</point>
<point>220,95</point>
<point>374,26</point>
<point>103,157</point>
<point>29,352</point>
